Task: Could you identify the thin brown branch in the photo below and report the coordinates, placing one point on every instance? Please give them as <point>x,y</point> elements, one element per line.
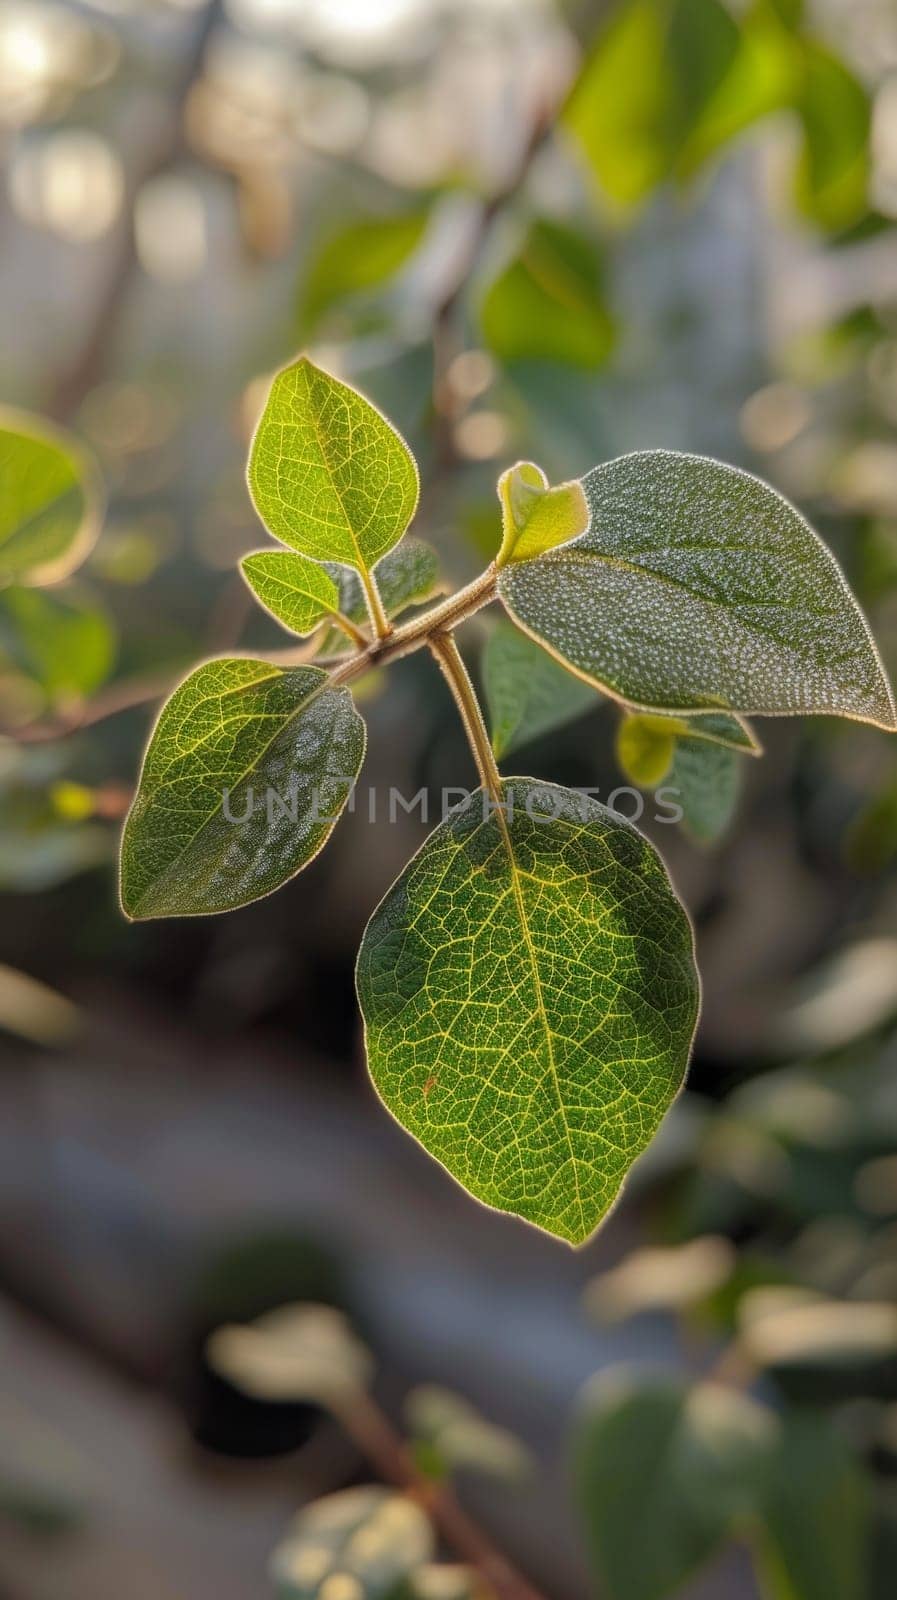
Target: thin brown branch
<point>89,363</point>
<point>388,1452</point>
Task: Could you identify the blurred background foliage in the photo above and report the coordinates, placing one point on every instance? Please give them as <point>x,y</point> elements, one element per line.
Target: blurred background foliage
<point>526,229</point>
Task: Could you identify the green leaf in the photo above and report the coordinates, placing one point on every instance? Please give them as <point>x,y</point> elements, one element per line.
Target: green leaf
<point>61,638</point>
<point>328,474</point>
<point>652,72</point>
<point>762,78</point>
<point>534,517</point>
<point>548,304</point>
<point>297,1352</point>
<point>529,994</point>
<point>368,1541</point>
<point>697,587</point>
<point>681,1466</point>
<point>527,692</point>
<point>833,174</point>
<point>50,500</point>
<point>700,757</point>
<point>239,739</point>
<point>815,1510</point>
<point>459,1437</point>
<point>707,778</point>
<point>405,577</point>
<point>298,592</point>
<point>358,258</point>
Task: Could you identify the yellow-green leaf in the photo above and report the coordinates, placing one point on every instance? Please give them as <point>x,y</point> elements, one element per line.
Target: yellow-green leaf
<point>247,770</point>
<point>298,592</point>
<point>50,500</point>
<point>328,474</point>
<point>529,993</point>
<point>534,517</point>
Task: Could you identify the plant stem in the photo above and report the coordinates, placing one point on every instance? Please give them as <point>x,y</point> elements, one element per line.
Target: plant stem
<point>385,1448</point>
<point>439,619</point>
<point>447,654</point>
<point>379,620</point>
<point>349,628</point>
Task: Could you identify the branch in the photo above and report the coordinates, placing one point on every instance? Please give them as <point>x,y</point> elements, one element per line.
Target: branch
<point>384,1447</point>
<point>85,371</point>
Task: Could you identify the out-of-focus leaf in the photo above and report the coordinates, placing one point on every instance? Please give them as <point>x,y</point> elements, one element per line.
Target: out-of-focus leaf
<point>360,1544</point>
<point>548,304</point>
<point>661,1279</point>
<point>652,72</point>
<point>459,1437</point>
<point>329,476</point>
<point>706,778</point>
<point>360,257</point>
<point>870,843</point>
<point>558,906</point>
<point>297,591</point>
<point>61,638</point>
<point>51,502</point>
<point>436,1581</point>
<point>248,768</point>
<point>778,1329</point>
<point>699,587</point>
<point>41,1477</point>
<point>528,693</point>
<point>34,1011</point>
<point>761,77</point>
<point>663,1474</point>
<point>406,576</point>
<point>845,997</point>
<point>815,1511</point>
<point>833,174</point>
<point>536,518</point>
<point>298,1352</point>
<point>646,743</point>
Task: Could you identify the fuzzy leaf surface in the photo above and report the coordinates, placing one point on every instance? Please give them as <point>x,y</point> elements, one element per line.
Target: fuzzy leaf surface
<point>239,736</point>
<point>697,587</point>
<point>530,994</point>
<point>328,474</point>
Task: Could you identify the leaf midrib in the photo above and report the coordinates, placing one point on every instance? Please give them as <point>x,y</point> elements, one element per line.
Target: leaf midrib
<point>540,1003</point>
<point>362,564</point>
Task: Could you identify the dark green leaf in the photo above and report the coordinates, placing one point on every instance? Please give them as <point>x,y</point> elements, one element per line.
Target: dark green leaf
<point>405,577</point>
<point>663,1475</point>
<point>527,691</point>
<point>699,587</point>
<point>239,739</point>
<point>815,1512</point>
<point>529,994</point>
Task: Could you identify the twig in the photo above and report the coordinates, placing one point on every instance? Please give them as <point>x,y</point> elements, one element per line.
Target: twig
<point>72,386</point>
<point>385,1448</point>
